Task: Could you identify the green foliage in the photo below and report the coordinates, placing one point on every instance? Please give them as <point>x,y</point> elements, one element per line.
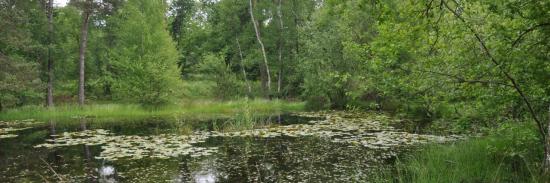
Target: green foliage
<point>144,61</point>
<point>334,63</point>
<point>67,24</point>
<point>22,49</point>
<point>198,89</point>
<point>214,68</point>
<point>419,59</point>
<point>18,82</point>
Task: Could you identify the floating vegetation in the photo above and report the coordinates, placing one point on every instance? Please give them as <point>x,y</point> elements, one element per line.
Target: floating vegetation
<point>312,147</point>
<point>369,131</point>
<point>7,136</point>
<point>132,146</point>
<point>357,129</point>
<point>7,128</point>
<point>27,122</point>
<point>7,132</point>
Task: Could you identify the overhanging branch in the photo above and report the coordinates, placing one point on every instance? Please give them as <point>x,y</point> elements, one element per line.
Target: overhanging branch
<point>500,67</point>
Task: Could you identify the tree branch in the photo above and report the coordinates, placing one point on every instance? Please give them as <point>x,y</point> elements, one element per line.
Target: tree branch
<point>500,67</point>
<point>531,29</point>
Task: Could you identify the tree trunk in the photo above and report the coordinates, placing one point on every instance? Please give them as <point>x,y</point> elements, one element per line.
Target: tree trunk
<point>547,148</point>
<point>49,95</point>
<point>243,70</point>
<point>82,54</point>
<point>266,81</point>
<point>297,22</point>
<point>281,44</point>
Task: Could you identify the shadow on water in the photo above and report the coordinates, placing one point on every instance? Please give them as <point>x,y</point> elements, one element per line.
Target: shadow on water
<point>238,159</point>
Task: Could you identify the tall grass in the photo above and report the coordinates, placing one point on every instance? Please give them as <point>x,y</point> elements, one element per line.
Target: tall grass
<point>512,155</point>
<point>198,109</point>
<point>245,119</point>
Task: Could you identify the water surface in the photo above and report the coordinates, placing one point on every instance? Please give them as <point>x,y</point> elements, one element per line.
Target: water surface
<point>305,147</point>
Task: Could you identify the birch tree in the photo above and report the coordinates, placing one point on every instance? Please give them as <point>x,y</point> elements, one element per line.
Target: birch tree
<point>281,45</point>
<point>266,79</point>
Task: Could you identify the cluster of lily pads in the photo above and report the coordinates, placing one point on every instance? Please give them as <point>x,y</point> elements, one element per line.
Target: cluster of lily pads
<point>8,132</point>
<point>115,147</point>
<point>8,128</point>
<point>370,131</point>
<point>26,122</point>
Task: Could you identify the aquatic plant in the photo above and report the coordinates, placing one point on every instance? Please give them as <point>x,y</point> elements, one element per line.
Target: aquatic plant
<point>132,146</point>
<point>7,128</point>
<point>336,127</point>
<point>339,128</point>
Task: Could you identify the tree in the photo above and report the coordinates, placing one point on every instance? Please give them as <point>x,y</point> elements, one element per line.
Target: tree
<point>280,49</point>
<point>189,32</point>
<point>49,94</point>
<point>335,54</point>
<point>506,74</point>
<point>182,13</point>
<point>18,81</point>
<point>82,52</point>
<point>145,57</point>
<point>266,78</point>
<point>442,57</point>
<point>22,51</point>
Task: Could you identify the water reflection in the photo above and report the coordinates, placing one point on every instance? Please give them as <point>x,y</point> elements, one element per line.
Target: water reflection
<point>206,173</point>
<point>205,177</point>
<point>237,159</point>
<point>107,174</point>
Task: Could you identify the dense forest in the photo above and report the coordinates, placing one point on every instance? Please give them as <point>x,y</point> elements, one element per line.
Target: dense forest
<point>450,66</point>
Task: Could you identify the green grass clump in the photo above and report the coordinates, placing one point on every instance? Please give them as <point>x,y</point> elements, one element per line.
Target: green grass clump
<point>511,154</point>
<point>196,109</point>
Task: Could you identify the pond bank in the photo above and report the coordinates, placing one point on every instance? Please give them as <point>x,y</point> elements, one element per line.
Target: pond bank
<point>198,110</point>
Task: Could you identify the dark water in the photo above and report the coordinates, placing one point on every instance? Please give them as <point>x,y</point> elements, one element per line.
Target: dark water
<point>238,159</point>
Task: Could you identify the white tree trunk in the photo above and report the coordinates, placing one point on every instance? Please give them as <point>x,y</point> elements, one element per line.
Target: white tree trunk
<point>281,65</point>
<point>262,48</point>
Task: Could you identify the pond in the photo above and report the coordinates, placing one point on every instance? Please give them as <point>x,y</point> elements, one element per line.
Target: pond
<point>298,147</point>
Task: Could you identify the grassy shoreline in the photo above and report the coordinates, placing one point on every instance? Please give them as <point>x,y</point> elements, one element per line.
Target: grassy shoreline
<point>511,154</point>
<point>202,109</point>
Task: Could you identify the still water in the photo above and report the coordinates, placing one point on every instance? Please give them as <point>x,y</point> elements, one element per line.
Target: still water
<point>302,147</point>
